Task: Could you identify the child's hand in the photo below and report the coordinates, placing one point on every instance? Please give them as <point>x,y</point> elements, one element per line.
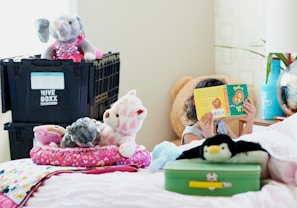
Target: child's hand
<point>250,109</point>
<point>207,124</point>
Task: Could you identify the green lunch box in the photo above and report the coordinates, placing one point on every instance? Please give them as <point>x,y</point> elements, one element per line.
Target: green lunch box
<point>211,179</point>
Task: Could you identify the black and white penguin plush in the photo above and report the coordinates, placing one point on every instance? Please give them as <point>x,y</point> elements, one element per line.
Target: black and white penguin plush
<point>223,149</point>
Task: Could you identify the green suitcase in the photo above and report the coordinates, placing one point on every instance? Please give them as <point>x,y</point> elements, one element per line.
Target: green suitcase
<point>211,179</point>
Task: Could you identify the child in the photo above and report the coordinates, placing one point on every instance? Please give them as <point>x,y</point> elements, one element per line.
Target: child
<point>208,126</point>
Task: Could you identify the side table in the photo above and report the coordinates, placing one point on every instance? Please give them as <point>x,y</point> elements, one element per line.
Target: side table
<point>257,121</point>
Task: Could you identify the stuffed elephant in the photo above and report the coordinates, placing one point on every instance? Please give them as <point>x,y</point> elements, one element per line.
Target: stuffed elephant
<point>70,41</point>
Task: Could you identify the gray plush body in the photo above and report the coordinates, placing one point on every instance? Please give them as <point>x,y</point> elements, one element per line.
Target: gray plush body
<point>84,132</point>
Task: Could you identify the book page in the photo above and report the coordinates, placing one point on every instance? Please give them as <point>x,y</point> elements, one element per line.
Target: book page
<point>237,93</point>
<point>211,99</point>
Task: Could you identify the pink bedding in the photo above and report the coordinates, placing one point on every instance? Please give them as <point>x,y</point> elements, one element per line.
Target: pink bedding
<point>146,189</point>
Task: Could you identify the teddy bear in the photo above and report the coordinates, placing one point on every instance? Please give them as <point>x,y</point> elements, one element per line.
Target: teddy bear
<point>70,41</point>
<point>182,89</point>
<point>84,132</point>
<point>123,120</point>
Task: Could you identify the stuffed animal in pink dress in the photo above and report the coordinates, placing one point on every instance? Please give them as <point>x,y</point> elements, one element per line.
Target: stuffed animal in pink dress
<point>70,41</point>
<point>123,119</point>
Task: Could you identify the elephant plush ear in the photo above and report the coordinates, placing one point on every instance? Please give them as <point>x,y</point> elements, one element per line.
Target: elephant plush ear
<point>81,24</point>
<point>42,27</point>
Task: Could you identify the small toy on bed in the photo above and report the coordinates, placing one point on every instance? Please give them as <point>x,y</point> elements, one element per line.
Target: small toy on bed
<point>163,153</point>
<point>124,119</point>
<point>223,149</point>
<point>84,132</point>
<point>70,41</point>
<point>48,133</point>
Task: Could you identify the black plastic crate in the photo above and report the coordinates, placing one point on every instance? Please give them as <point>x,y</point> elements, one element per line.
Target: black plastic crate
<point>59,91</point>
<point>21,137</point>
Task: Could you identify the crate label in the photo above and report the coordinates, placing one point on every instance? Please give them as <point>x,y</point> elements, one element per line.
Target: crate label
<point>47,80</point>
<point>48,97</point>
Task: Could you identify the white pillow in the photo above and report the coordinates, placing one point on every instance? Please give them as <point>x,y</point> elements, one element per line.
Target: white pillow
<point>287,126</point>
<point>280,140</point>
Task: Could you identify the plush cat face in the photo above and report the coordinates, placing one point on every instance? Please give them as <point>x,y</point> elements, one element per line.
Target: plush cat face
<point>126,115</point>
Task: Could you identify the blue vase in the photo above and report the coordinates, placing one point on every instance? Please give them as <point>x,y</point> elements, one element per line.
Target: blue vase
<point>270,106</point>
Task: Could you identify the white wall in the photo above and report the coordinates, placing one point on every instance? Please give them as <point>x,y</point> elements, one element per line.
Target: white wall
<point>159,42</point>
<point>241,24</point>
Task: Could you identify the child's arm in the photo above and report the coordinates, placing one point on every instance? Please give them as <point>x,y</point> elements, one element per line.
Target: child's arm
<point>250,110</point>
<point>191,137</point>
<point>207,125</point>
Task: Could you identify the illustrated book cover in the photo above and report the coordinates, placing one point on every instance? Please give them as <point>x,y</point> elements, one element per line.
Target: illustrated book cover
<point>222,101</point>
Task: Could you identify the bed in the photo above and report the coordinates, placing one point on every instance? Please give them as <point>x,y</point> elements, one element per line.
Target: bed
<point>130,186</point>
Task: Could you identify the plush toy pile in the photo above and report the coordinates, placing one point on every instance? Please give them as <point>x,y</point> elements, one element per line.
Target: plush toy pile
<point>88,142</point>
<point>84,132</point>
<point>70,41</point>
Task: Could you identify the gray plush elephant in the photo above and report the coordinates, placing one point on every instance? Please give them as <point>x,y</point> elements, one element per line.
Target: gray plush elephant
<point>70,41</point>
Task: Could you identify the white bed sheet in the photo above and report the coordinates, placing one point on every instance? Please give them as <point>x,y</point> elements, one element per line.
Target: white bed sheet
<point>144,189</point>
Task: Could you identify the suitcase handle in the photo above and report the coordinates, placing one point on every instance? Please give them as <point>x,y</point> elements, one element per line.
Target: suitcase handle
<point>209,184</point>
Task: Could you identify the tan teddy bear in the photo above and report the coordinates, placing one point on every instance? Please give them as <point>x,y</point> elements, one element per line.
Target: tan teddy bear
<point>182,89</point>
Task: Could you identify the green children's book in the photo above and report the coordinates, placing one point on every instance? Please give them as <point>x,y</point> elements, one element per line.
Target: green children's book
<point>222,100</point>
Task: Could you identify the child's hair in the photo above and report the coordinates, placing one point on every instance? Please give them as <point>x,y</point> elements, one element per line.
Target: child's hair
<point>189,108</point>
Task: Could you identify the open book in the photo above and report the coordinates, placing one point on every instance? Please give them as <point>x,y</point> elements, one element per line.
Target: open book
<point>222,101</point>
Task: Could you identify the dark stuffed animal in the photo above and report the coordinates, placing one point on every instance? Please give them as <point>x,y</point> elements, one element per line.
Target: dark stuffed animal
<point>84,132</point>
<point>221,148</point>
